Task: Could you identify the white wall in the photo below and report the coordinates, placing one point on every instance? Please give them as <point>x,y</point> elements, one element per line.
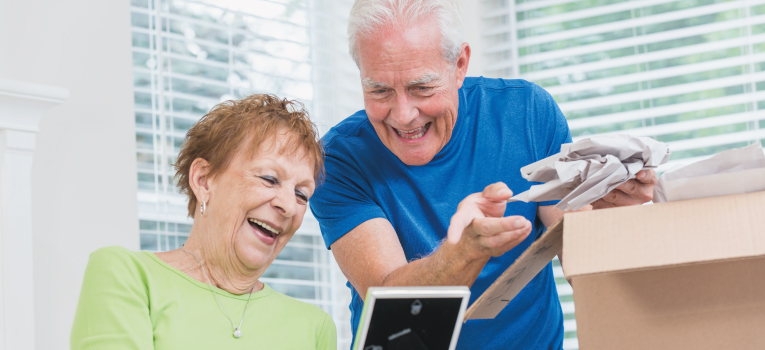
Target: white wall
<point>472,28</point>
<point>84,171</point>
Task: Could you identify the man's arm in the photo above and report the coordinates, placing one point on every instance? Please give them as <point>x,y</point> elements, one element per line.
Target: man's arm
<point>371,254</point>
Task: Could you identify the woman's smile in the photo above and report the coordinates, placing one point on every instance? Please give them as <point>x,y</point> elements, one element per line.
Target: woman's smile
<point>267,233</point>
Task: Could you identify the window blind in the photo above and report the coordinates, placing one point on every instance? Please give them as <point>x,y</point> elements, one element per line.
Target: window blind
<point>191,55</point>
<point>690,73</point>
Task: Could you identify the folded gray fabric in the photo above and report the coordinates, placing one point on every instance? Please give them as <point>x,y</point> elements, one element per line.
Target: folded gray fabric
<point>586,170</point>
<point>735,171</point>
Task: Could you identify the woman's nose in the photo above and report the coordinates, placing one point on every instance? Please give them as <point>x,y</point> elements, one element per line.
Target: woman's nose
<point>285,202</point>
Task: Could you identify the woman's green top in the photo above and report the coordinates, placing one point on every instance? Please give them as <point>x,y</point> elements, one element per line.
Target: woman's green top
<point>134,300</point>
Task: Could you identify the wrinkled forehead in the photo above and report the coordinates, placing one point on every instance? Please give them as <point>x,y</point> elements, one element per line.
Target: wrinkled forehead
<point>396,47</point>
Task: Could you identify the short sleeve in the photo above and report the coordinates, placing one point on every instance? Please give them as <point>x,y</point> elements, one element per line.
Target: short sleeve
<point>113,310</point>
<point>344,200</point>
<point>550,128</point>
<point>327,336</point>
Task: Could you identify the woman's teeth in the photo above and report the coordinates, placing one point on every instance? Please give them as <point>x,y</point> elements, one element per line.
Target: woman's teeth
<point>413,134</point>
<point>263,225</point>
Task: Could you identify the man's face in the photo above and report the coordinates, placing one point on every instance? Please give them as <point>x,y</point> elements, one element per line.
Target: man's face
<point>410,90</point>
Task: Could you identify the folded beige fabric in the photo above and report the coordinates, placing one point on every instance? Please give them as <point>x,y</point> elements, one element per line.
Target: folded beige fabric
<point>586,170</point>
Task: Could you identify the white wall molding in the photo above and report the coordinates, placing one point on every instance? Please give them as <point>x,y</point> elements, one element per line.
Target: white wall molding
<point>22,105</point>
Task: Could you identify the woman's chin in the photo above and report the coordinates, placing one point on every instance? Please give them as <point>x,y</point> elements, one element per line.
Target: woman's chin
<point>255,254</point>
<point>257,248</point>
<point>255,258</point>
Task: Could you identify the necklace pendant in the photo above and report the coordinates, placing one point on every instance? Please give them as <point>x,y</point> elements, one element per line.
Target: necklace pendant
<point>237,333</point>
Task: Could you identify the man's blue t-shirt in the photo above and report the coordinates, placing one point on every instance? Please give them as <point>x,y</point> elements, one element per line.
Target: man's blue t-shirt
<point>502,125</point>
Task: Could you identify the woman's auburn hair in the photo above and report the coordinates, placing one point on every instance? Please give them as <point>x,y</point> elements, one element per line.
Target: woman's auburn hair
<point>220,134</point>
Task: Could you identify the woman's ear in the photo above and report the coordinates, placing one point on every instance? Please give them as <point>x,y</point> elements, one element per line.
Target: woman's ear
<point>199,181</point>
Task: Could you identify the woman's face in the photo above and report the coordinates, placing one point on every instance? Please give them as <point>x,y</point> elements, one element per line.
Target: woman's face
<point>258,203</point>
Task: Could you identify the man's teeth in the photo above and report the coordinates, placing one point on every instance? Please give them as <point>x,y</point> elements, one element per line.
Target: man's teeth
<point>264,225</point>
<point>414,134</point>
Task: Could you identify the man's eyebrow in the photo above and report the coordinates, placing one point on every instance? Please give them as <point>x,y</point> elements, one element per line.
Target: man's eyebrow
<point>368,83</point>
<point>425,79</point>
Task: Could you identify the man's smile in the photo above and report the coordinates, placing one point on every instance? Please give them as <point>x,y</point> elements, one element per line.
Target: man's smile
<point>414,133</point>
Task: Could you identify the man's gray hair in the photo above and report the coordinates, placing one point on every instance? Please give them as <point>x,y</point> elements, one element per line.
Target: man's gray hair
<point>368,16</point>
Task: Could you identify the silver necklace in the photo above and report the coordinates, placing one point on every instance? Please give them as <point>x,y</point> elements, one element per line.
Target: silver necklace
<point>237,330</point>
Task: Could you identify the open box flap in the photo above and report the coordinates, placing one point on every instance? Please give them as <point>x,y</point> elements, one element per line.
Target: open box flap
<point>664,234</point>
<point>518,275</point>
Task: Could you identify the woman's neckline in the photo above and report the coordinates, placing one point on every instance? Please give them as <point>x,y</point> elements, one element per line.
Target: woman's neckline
<point>257,294</point>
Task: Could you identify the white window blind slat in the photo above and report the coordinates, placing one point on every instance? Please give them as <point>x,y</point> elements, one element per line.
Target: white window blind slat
<point>632,5</point>
<point>212,25</point>
<point>294,27</point>
<point>527,6</point>
<point>569,325</point>
<point>584,13</point>
<point>564,289</point>
<point>669,128</point>
<point>557,271</point>
<point>567,307</point>
<point>238,67</point>
<point>627,43</point>
<point>657,74</point>
<point>570,343</point>
<point>654,112</point>
<point>251,9</point>
<point>639,58</point>
<point>717,140</point>
<point>627,24</point>
<point>660,92</point>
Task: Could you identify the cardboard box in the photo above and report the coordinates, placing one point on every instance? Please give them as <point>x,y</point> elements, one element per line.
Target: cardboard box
<point>677,275</point>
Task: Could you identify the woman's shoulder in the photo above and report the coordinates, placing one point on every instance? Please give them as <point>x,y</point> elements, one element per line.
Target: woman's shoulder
<point>298,307</point>
<point>118,261</point>
<point>115,255</point>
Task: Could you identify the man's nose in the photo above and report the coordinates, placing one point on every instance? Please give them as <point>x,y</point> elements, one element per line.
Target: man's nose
<point>405,111</point>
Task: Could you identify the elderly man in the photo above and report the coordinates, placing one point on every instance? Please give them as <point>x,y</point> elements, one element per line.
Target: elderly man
<point>436,155</point>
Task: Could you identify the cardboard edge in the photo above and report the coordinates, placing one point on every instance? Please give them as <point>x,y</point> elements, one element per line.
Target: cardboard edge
<point>656,267</point>
<point>572,272</point>
<point>553,232</point>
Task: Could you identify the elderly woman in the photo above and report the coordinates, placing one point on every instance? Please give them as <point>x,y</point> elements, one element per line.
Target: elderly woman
<point>248,168</point>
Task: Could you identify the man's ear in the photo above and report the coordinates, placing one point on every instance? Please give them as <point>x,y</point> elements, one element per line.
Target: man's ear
<point>461,66</point>
<point>199,181</point>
